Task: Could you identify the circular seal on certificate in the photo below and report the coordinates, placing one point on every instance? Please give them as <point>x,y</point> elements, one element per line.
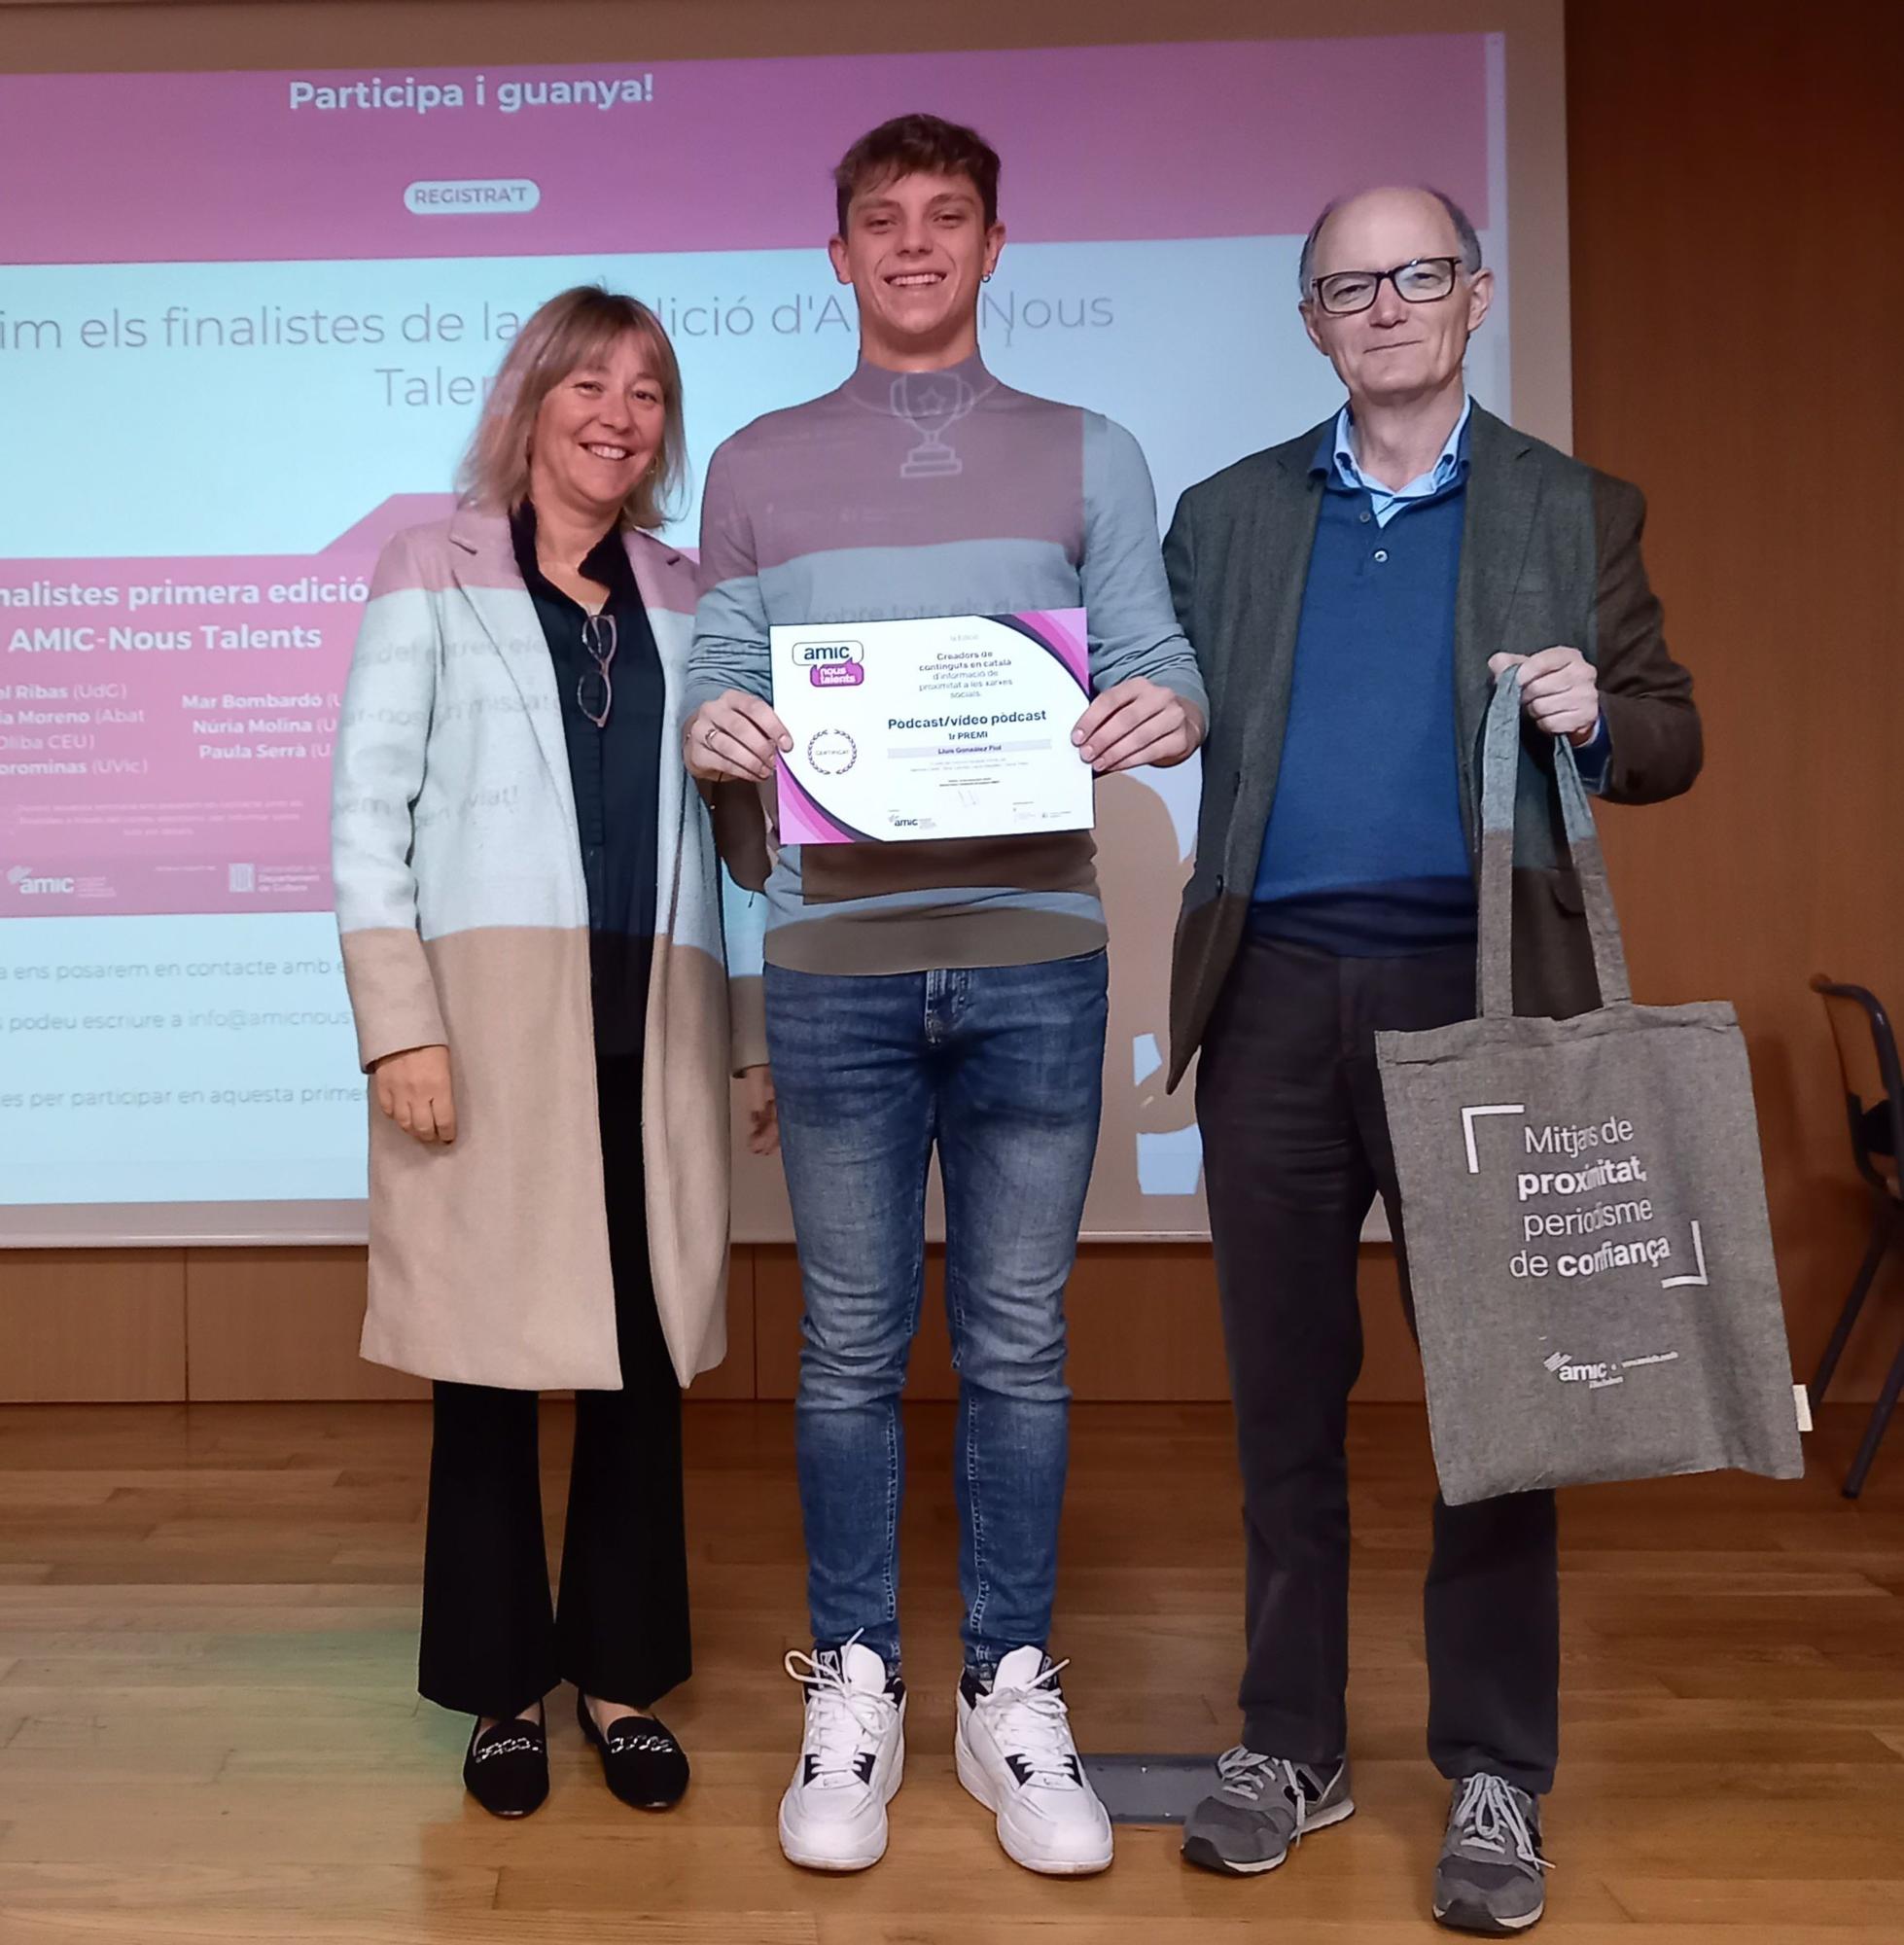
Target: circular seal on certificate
<point>831,752</point>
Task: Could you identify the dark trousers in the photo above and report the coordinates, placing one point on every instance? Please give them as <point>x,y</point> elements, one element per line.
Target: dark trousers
<point>1296,1147</point>
<point>491,1642</point>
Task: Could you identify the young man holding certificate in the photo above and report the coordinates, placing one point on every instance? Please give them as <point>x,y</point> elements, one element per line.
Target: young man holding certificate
<point>911,590</point>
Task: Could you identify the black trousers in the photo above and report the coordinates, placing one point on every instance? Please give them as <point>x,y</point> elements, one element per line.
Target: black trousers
<point>1296,1147</point>
<point>491,1642</point>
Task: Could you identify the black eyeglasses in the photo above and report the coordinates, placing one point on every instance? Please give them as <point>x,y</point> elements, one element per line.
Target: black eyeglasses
<point>1420,281</point>
<point>594,694</point>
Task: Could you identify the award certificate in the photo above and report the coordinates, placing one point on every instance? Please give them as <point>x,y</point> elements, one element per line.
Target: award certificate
<point>952,727</point>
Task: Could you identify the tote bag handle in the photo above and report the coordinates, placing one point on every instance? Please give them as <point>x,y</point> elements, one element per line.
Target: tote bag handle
<point>1500,761</point>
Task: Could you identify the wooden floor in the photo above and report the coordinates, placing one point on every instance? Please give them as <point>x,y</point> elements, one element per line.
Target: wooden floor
<point>208,1732</point>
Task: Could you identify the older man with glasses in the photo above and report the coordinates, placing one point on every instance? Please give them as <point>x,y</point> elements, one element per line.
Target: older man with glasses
<point>1352,596</point>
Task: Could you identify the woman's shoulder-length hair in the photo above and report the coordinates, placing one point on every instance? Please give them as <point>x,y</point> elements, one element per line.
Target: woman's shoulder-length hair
<point>573,328</point>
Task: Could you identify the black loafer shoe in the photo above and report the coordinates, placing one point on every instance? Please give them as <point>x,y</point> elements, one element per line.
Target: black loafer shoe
<point>641,1762</point>
<point>506,1768</point>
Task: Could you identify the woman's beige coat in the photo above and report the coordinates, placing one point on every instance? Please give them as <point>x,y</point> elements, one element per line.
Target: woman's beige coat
<point>464,921</point>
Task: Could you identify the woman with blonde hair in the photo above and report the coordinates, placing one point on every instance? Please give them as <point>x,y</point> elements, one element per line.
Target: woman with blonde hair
<point>531,916</point>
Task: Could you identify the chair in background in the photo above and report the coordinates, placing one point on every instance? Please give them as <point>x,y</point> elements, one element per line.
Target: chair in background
<point>1874,1102</point>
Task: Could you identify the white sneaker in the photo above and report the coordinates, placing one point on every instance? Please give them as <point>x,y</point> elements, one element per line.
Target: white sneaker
<point>1016,1756</point>
<point>832,1816</point>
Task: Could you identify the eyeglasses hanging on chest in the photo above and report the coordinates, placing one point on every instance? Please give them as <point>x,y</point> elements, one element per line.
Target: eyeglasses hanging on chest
<point>594,692</point>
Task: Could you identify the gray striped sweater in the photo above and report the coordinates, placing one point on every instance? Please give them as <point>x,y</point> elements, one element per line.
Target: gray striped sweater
<point>813,514</point>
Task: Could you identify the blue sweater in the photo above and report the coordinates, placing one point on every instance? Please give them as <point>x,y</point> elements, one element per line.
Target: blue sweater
<point>1365,853</point>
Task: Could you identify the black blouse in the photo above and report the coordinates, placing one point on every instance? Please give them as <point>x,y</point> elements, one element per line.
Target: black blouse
<point>615,772</point>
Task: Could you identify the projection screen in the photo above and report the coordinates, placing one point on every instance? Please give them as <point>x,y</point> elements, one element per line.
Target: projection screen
<point>245,326</point>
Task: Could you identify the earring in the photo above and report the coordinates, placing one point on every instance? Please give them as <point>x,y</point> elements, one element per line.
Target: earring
<point>986,278</point>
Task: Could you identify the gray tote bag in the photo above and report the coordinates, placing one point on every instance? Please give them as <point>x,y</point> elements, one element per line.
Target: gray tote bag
<point>1584,1212</point>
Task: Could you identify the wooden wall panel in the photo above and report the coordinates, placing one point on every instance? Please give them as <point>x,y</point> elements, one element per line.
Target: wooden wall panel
<point>81,1324</point>
<point>1144,1323</point>
<point>225,1324</point>
<point>1738,257</point>
<point>282,1323</point>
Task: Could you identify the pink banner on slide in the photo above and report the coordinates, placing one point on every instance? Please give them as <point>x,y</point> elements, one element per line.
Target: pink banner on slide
<point>1199,139</point>
<point>166,727</point>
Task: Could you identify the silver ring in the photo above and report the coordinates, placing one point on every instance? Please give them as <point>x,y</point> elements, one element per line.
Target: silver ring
<point>707,736</point>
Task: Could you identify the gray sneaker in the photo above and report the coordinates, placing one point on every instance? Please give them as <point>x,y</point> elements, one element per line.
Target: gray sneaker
<point>1261,1807</point>
<point>1492,1875</point>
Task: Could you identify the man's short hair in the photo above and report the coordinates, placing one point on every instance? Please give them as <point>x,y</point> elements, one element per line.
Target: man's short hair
<point>918,145</point>
<point>1465,235</point>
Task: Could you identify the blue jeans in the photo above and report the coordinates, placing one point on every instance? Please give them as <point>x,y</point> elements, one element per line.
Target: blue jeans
<point>1002,1066</point>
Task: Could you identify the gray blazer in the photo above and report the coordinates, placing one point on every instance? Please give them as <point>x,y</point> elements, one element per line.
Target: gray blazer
<point>1550,554</point>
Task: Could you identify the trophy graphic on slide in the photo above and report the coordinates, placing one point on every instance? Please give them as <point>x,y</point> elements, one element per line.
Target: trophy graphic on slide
<point>931,404</point>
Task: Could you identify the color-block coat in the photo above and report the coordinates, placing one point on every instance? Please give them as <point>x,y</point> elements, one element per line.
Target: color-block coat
<point>463,918</point>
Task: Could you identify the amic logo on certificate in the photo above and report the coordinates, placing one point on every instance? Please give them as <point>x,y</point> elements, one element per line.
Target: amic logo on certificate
<point>954,726</point>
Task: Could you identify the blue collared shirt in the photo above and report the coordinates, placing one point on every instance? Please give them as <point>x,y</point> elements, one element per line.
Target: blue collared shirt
<point>1386,501</point>
<point>1594,757</point>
